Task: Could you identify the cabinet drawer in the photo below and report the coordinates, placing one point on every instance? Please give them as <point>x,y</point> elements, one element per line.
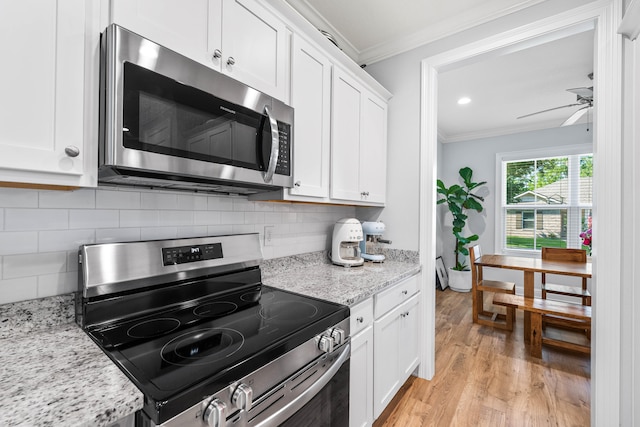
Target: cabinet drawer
<point>361,316</point>
<point>390,298</point>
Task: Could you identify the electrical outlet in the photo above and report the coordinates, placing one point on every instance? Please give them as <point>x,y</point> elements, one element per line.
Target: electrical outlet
<point>268,235</point>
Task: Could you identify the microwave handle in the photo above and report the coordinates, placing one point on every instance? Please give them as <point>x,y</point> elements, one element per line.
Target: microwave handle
<point>275,146</point>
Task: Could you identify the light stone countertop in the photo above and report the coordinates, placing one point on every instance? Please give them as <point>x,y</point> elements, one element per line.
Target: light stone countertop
<point>315,276</point>
<point>53,374</point>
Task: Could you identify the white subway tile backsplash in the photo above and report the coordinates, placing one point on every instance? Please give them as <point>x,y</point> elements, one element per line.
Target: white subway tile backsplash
<point>232,218</point>
<point>218,203</point>
<point>65,240</point>
<point>18,242</point>
<point>272,217</point>
<point>14,266</point>
<point>139,218</point>
<point>93,218</point>
<point>154,233</point>
<point>175,218</point>
<point>56,284</point>
<point>192,202</point>
<point>21,289</point>
<point>83,198</point>
<point>193,231</point>
<point>159,200</point>
<point>18,198</point>
<point>40,231</point>
<point>35,219</point>
<point>114,199</point>
<point>111,235</point>
<point>206,218</point>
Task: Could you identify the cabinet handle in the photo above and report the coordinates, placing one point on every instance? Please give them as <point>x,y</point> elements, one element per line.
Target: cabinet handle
<point>404,292</point>
<point>72,151</point>
<point>217,54</point>
<point>231,61</point>
<point>360,319</point>
<point>297,184</point>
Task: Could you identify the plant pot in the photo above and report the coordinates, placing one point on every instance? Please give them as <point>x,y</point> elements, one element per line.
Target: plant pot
<point>460,281</point>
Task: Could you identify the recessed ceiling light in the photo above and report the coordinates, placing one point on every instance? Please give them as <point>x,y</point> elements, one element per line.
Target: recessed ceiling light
<point>464,100</point>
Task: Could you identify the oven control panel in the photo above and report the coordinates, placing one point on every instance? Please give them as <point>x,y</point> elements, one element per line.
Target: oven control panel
<point>186,254</point>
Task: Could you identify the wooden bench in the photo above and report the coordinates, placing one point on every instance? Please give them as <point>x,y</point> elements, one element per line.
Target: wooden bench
<point>539,307</point>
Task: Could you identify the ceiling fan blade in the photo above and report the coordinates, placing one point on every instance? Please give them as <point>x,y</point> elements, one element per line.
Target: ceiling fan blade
<point>550,109</point>
<point>583,92</point>
<point>575,116</point>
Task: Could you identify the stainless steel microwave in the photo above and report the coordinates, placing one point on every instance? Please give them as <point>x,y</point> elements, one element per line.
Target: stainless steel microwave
<point>168,121</point>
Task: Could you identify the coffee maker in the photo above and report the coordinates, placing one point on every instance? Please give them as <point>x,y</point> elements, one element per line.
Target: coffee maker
<point>345,249</point>
<point>370,246</point>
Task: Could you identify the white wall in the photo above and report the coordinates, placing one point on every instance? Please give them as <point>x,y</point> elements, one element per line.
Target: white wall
<point>401,75</point>
<point>40,231</point>
<point>480,156</point>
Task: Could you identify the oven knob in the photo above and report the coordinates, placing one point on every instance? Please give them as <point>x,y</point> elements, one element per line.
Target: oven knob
<point>326,344</point>
<point>214,414</point>
<point>243,397</point>
<point>338,336</point>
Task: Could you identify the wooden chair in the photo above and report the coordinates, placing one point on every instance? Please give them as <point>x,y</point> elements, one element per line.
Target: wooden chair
<point>581,292</point>
<point>479,286</point>
<point>564,254</point>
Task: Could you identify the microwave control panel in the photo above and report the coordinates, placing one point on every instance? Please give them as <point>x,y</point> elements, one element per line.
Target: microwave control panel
<point>283,167</point>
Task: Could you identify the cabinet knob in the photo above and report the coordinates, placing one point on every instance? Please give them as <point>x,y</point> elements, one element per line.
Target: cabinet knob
<point>404,292</point>
<point>72,151</point>
<point>217,54</point>
<point>231,61</point>
<point>360,319</point>
<point>297,184</point>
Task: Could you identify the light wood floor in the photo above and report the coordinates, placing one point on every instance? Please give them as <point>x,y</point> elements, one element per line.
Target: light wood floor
<point>485,377</point>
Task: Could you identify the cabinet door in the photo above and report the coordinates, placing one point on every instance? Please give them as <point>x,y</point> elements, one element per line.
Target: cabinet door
<point>345,144</point>
<point>255,47</point>
<point>410,340</point>
<point>42,80</point>
<point>386,359</point>
<point>361,379</point>
<point>181,26</point>
<point>311,99</point>
<point>373,149</point>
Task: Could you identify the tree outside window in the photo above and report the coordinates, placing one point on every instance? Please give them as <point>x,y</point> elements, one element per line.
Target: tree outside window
<point>547,201</point>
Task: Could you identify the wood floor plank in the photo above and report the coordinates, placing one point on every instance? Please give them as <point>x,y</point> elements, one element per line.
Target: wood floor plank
<point>486,377</point>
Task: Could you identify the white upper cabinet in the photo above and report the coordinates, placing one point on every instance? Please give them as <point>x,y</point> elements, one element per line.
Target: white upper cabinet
<point>240,38</point>
<point>359,142</point>
<point>43,118</point>
<point>311,99</point>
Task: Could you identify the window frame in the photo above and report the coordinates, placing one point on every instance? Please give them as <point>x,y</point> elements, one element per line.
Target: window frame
<point>500,200</point>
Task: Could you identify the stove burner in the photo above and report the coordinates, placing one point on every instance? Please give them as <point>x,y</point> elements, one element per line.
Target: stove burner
<point>202,346</point>
<point>252,296</point>
<point>153,327</point>
<point>215,309</point>
<point>289,311</point>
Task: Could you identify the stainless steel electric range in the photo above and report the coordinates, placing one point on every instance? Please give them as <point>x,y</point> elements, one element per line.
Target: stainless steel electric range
<point>190,323</point>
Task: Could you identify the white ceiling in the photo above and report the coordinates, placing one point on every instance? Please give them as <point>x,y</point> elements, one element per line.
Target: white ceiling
<point>501,88</point>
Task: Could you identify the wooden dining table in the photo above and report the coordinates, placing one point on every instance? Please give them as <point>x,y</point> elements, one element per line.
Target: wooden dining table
<point>530,266</point>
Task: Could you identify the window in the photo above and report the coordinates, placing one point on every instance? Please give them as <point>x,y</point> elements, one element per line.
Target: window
<point>546,201</point>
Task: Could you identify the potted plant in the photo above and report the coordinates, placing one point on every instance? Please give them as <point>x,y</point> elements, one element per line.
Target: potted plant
<point>460,199</point>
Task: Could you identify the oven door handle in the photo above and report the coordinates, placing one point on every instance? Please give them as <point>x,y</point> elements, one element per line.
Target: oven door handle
<point>292,407</point>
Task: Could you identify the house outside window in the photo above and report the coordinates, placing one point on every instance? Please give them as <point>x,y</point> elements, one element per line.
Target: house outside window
<point>546,201</point>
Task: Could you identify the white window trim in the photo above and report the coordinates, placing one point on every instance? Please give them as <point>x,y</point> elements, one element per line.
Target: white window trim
<point>536,153</point>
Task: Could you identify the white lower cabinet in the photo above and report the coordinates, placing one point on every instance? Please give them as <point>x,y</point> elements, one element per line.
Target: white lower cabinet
<point>396,342</point>
<point>361,379</point>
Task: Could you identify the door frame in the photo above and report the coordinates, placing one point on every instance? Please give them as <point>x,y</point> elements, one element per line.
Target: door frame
<point>604,16</point>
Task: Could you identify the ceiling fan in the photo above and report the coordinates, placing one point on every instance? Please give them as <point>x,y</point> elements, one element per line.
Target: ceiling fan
<point>584,99</point>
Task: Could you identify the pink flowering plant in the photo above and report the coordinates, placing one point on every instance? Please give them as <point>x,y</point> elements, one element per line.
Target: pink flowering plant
<point>586,236</point>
